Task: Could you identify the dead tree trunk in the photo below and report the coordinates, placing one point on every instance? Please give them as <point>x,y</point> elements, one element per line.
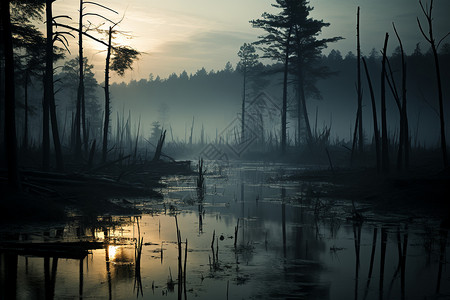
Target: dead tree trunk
<point>360,124</point>
<point>375,120</point>
<point>10,121</point>
<point>80,91</point>
<point>192,131</point>
<point>159,146</point>
<point>25,128</point>
<point>107,99</point>
<point>284,105</point>
<point>48,87</point>
<point>384,137</point>
<point>45,129</point>
<point>430,39</point>
<point>81,79</point>
<point>404,134</point>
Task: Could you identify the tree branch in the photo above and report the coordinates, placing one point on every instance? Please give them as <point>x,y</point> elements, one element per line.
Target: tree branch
<point>105,7</point>
<point>87,34</point>
<point>423,33</point>
<point>98,15</point>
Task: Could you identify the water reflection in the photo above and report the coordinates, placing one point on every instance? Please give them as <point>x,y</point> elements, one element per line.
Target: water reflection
<point>247,237</point>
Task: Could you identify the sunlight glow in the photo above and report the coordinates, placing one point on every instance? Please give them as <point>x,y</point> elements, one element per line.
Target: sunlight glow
<point>112,250</point>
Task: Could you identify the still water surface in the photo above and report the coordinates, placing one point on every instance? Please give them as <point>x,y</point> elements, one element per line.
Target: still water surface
<point>291,243</point>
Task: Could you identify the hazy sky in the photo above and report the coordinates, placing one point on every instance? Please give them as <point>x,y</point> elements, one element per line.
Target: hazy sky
<point>177,35</point>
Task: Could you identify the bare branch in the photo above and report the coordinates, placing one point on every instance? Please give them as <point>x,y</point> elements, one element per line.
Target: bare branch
<point>439,43</point>
<point>105,7</point>
<point>423,33</point>
<point>423,9</point>
<point>98,15</point>
<point>59,34</point>
<point>57,38</point>
<point>62,16</point>
<point>393,86</point>
<point>86,34</point>
<point>398,37</point>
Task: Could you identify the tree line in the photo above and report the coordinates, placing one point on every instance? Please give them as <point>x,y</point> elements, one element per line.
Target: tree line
<point>25,48</point>
<point>59,100</point>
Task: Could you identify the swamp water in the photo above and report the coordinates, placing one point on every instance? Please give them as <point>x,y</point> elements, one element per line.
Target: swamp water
<point>291,243</point>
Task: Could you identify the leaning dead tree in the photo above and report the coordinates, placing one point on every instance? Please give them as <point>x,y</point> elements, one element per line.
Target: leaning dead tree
<point>360,124</point>
<point>375,120</point>
<point>404,131</point>
<point>427,11</point>
<point>358,131</point>
<point>384,137</point>
<point>400,100</point>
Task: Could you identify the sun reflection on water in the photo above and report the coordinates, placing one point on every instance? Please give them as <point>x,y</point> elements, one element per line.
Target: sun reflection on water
<point>112,251</point>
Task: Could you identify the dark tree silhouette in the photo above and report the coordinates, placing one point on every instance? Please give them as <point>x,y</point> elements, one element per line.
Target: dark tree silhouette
<point>374,116</point>
<point>69,81</point>
<point>384,132</point>
<point>249,60</point>
<point>123,58</point>
<point>404,131</point>
<point>49,106</point>
<point>107,112</point>
<point>29,43</point>
<point>80,115</point>
<point>10,122</point>
<point>358,64</point>
<point>307,49</point>
<point>358,123</point>
<point>428,11</point>
<point>292,38</point>
<point>276,45</point>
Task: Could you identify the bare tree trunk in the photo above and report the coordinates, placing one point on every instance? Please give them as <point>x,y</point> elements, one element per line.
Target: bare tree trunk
<point>81,82</point>
<point>83,122</point>
<point>404,134</point>
<point>430,39</point>
<point>107,100</point>
<point>25,129</point>
<point>48,86</point>
<point>10,121</point>
<point>384,137</point>
<point>360,124</point>
<point>284,106</point>
<point>374,114</point>
<point>192,131</point>
<point>45,129</point>
<point>441,107</point>
<point>355,132</point>
<point>80,92</point>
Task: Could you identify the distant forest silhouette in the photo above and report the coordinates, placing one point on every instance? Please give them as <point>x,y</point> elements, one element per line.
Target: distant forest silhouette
<point>214,97</point>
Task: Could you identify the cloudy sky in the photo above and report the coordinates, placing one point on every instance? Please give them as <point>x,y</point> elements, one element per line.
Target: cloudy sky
<point>177,35</point>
